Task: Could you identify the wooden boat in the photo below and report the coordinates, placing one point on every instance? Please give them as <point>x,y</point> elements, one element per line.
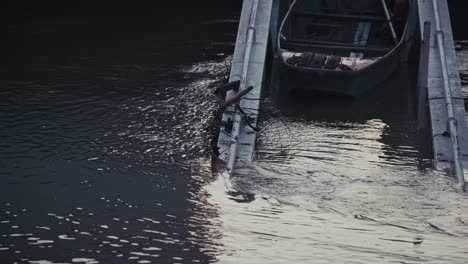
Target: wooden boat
<point>343,47</point>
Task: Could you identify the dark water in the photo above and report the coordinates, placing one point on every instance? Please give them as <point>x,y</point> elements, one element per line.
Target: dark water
<point>105,127</point>
<point>100,120</point>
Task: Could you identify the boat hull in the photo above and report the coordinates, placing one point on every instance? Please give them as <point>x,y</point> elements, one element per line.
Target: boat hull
<point>349,82</point>
<point>336,82</point>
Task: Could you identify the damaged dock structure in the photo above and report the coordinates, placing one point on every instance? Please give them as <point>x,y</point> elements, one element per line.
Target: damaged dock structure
<point>238,133</point>
<point>441,104</point>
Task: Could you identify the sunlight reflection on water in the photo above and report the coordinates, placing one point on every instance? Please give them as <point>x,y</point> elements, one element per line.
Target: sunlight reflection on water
<point>338,191</point>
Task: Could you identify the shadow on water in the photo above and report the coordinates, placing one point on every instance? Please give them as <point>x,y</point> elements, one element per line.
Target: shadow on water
<point>393,103</point>
<point>391,99</point>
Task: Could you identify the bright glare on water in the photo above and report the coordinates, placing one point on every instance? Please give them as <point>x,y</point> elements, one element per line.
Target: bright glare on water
<point>341,182</point>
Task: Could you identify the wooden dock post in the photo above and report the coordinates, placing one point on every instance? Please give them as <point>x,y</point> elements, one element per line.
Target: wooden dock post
<point>237,137</point>
<point>446,105</point>
<point>423,104</point>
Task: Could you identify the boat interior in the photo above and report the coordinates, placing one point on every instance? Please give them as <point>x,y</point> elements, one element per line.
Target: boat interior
<point>346,33</point>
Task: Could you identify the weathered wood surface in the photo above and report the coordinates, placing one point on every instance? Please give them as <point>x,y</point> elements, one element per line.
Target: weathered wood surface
<point>250,102</point>
<point>442,145</point>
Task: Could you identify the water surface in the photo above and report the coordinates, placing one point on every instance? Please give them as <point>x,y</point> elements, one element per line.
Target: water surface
<point>106,125</point>
<point>343,182</point>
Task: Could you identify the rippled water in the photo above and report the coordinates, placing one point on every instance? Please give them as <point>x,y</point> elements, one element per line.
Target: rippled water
<point>342,182</point>
<point>104,157</point>
<point>99,123</point>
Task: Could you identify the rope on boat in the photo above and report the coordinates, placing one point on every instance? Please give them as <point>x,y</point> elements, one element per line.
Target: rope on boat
<point>389,22</point>
<point>283,22</point>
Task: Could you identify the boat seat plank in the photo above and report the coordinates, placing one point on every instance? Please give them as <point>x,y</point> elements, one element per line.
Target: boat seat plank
<point>337,45</point>
<point>336,16</point>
